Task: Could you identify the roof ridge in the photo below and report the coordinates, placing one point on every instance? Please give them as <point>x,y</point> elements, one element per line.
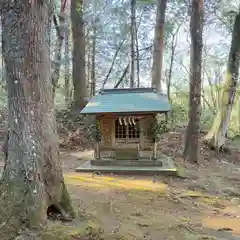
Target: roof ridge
<point>129,90</point>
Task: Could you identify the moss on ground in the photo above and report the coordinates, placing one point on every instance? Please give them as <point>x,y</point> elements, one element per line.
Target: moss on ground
<point>58,231</point>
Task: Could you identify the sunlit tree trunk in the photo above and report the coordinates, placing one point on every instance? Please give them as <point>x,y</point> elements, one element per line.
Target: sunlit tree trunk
<point>191,149</point>
<point>217,134</point>
<point>80,92</point>
<point>32,179</point>
<point>158,45</point>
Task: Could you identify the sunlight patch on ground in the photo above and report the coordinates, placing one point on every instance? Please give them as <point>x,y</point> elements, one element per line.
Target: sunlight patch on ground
<point>114,182</point>
<point>191,194</point>
<point>222,222</point>
<point>85,155</point>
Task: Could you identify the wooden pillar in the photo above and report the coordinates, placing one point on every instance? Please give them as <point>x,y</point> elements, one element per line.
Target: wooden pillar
<point>97,151</point>
<point>155,150</point>
<point>166,117</point>
<point>138,150</point>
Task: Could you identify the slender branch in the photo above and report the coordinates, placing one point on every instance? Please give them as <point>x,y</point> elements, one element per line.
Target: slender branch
<point>122,77</point>
<point>114,59</point>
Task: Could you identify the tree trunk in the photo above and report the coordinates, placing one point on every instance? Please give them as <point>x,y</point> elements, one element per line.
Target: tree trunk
<point>137,57</point>
<point>93,78</point>
<point>217,134</point>
<point>67,69</point>
<point>133,39</point>
<point>58,51</point>
<point>113,62</point>
<point>33,178</point>
<point>173,49</point>
<point>238,110</point>
<point>158,45</point>
<point>80,92</point>
<point>191,150</point>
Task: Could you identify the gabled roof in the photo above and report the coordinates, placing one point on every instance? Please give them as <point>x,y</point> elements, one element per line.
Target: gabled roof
<point>127,100</point>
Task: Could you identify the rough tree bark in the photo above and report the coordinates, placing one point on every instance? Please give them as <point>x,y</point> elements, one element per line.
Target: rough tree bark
<point>133,39</point>
<point>158,45</point>
<point>191,149</point>
<point>32,180</point>
<point>217,134</point>
<point>80,92</point>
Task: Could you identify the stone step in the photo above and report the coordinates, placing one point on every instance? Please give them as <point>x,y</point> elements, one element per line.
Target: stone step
<point>129,162</point>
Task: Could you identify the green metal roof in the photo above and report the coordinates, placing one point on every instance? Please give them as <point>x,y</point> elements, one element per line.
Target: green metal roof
<point>127,100</point>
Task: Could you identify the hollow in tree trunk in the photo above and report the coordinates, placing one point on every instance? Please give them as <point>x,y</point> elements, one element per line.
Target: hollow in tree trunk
<point>32,180</point>
<point>217,134</point>
<point>191,149</point>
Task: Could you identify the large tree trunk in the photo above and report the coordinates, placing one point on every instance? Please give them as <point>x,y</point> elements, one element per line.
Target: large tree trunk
<point>191,150</point>
<point>32,179</point>
<point>133,39</point>
<point>158,45</point>
<point>80,93</point>
<point>217,134</point>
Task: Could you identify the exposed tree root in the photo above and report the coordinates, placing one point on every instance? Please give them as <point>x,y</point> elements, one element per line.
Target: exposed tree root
<point>219,149</point>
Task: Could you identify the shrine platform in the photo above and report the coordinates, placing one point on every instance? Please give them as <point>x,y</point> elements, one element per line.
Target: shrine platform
<point>158,166</point>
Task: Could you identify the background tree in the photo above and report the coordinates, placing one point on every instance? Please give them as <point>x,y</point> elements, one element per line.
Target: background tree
<point>32,178</point>
<point>80,93</point>
<point>191,149</point>
<point>59,23</point>
<point>133,45</point>
<point>158,45</point>
<point>217,134</point>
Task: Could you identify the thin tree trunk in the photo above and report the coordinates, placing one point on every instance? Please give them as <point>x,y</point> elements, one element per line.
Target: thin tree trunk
<point>93,55</point>
<point>158,45</point>
<point>80,93</point>
<point>217,134</point>
<point>88,66</point>
<point>137,54</point>
<point>32,179</point>
<point>67,68</point>
<point>191,150</point>
<point>238,109</point>
<point>58,49</point>
<point>113,62</point>
<point>122,77</point>
<point>133,39</point>
<point>173,49</point>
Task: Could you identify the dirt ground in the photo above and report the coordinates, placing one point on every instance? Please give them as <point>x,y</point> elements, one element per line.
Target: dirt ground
<point>203,203</point>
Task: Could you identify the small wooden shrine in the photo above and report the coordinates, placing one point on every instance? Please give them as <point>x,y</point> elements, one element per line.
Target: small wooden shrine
<point>128,122</point>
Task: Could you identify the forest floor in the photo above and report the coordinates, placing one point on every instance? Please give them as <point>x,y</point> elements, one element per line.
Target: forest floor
<point>204,203</point>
